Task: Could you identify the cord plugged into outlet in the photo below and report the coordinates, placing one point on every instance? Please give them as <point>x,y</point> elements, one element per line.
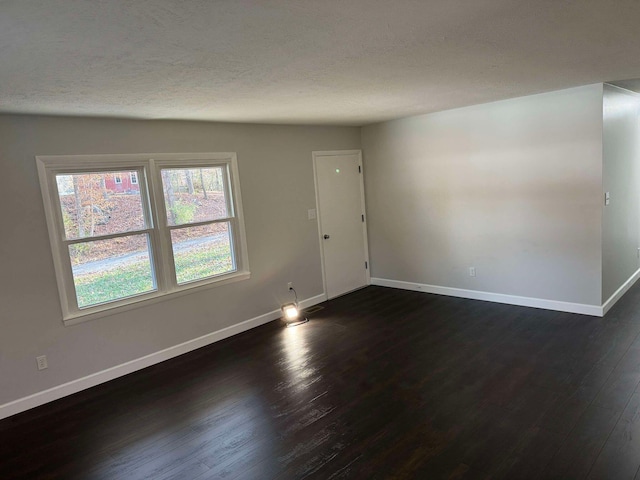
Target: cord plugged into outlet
<point>292,289</point>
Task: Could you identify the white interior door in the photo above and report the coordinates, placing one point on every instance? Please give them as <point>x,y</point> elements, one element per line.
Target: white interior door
<point>341,220</point>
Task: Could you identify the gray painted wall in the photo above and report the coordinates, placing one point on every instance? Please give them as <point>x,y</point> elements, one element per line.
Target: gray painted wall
<point>620,177</point>
<point>512,188</point>
<point>276,176</point>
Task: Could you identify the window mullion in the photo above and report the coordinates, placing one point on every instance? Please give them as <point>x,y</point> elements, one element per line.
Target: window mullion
<point>145,183</point>
<point>164,255</point>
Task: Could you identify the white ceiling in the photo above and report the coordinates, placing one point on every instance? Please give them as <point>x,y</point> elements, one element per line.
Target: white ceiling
<point>348,62</point>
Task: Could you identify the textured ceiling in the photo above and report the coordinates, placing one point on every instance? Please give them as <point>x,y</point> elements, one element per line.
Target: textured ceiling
<point>348,62</point>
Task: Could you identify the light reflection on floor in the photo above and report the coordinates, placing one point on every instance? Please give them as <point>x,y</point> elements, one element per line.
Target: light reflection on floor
<point>297,352</point>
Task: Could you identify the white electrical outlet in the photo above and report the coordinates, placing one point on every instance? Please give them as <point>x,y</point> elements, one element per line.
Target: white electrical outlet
<point>290,285</point>
<point>42,362</point>
<point>472,271</point>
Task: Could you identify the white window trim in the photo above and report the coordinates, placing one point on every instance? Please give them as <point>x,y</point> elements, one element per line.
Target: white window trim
<point>133,175</point>
<point>148,167</point>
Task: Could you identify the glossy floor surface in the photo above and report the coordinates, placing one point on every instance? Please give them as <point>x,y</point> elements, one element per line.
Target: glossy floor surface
<point>381,383</point>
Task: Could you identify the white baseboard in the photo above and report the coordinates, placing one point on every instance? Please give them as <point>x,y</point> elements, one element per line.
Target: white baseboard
<point>59,391</point>
<point>584,309</point>
<point>310,302</point>
<point>606,306</point>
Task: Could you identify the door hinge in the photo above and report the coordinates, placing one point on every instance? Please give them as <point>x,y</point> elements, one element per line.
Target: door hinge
<point>366,265</point>
<point>359,169</point>
<point>363,218</point>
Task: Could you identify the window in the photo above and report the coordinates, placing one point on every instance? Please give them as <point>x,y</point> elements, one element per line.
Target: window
<point>181,229</point>
<point>118,179</point>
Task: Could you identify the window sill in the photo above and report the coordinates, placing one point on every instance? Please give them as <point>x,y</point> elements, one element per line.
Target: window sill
<point>149,299</point>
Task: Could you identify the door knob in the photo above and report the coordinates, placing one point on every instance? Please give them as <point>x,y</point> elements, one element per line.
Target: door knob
<point>325,237</point>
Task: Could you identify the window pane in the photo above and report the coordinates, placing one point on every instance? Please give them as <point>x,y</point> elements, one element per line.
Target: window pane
<point>108,270</point>
<point>95,204</point>
<point>202,252</point>
<point>194,194</point>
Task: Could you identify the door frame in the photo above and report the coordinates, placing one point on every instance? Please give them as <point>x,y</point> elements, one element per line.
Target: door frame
<point>317,156</point>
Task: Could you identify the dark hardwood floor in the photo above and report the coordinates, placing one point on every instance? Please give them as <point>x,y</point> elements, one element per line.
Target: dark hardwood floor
<point>381,383</point>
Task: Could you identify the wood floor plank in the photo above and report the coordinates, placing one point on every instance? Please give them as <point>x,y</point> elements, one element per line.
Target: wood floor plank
<point>580,448</point>
<point>620,456</point>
